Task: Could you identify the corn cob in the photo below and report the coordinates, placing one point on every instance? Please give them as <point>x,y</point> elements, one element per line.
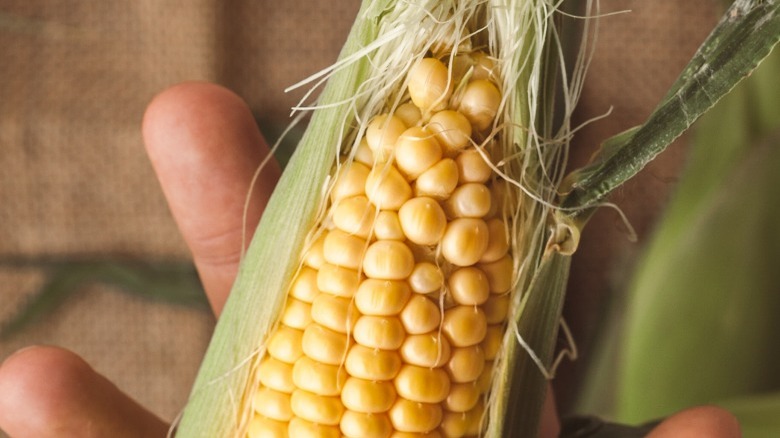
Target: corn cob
<point>393,317</point>
<point>384,329</point>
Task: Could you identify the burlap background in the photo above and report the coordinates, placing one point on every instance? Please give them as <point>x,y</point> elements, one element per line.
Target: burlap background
<point>75,77</point>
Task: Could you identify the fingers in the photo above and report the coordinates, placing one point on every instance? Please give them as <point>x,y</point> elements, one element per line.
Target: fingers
<point>550,425</point>
<point>702,421</point>
<point>205,147</point>
<point>51,392</point>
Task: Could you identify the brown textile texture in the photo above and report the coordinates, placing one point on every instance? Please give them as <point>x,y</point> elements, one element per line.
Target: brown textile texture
<point>75,78</point>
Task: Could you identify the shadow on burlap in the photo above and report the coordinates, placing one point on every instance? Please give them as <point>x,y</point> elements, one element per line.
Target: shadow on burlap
<point>74,82</point>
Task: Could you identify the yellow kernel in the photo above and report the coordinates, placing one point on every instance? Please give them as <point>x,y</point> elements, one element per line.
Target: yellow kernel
<point>477,64</point>
<point>304,287</point>
<point>313,256</point>
<point>386,188</point>
<point>461,424</point>
<point>410,416</point>
<point>452,129</point>
<point>338,280</point>
<point>420,384</point>
<point>383,332</point>
<point>367,396</point>
<point>388,227</point>
<point>429,84</point>
<point>372,364</point>
<point>479,103</point>
<point>381,135</point>
<point>422,220</point>
<point>500,198</point>
<point>464,241</point>
<point>285,344</point>
<point>416,151</point>
<point>439,181</point>
<point>491,345</point>
<point>484,67</point>
<point>462,397</point>
<point>344,249</point>
<point>354,215</point>
<point>262,427</point>
<point>486,378</point>
<point>426,278</point>
<point>421,315</point>
<point>350,181</point>
<point>472,168</point>
<point>388,260</point>
<point>466,364</point>
<point>324,345</point>
<point>475,419</point>
<point>315,408</point>
<point>336,313</point>
<point>498,243</point>
<point>300,428</point>
<point>469,200</point>
<point>428,350</point>
<point>409,113</point>
<point>496,308</point>
<point>431,434</point>
<point>469,286</point>
<point>276,375</point>
<point>363,154</point>
<point>319,378</point>
<point>464,325</point>
<point>382,297</point>
<point>272,404</point>
<point>499,274</point>
<point>362,425</point>
<point>296,314</point>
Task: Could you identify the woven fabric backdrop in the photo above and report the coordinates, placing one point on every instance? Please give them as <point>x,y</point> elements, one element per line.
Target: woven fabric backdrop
<point>75,78</point>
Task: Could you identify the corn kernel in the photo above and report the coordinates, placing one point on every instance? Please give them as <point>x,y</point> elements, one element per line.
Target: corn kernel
<point>383,332</point>
<point>324,345</point>
<point>464,325</point>
<point>318,378</point>
<point>372,364</point>
<point>368,396</point>
<point>422,220</point>
<point>382,297</point>
<point>420,384</point>
<point>428,350</point>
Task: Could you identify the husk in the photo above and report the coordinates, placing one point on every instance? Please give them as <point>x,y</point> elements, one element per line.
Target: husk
<point>271,260</point>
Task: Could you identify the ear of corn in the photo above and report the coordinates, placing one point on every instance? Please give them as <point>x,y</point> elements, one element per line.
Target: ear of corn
<point>384,305</point>
<point>376,296</point>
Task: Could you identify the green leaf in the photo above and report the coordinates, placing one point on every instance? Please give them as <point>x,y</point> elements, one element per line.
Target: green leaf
<point>758,415</point>
<point>521,391</point>
<point>744,36</point>
<point>699,322</point>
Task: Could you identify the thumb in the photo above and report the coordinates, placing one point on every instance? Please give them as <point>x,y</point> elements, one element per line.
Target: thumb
<point>51,392</point>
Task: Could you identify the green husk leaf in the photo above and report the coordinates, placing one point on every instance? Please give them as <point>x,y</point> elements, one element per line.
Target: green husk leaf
<point>698,325</point>
<point>758,415</point>
<point>744,36</point>
<point>523,388</point>
<point>703,316</point>
<point>273,256</point>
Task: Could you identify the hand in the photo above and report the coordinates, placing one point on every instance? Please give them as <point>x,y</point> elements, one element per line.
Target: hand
<point>205,147</point>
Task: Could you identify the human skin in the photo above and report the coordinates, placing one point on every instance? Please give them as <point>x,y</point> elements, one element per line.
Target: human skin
<point>205,147</point>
